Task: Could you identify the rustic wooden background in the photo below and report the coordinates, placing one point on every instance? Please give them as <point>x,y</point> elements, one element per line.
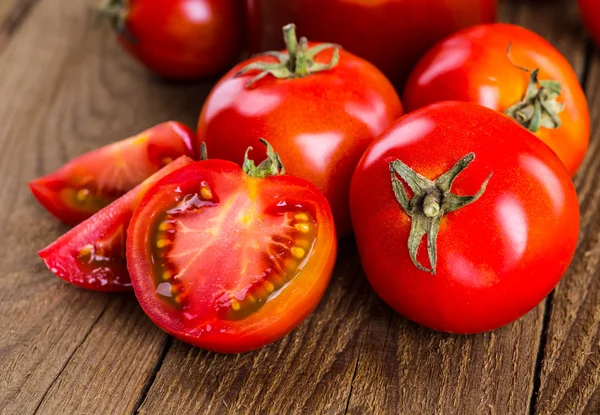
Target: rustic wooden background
<point>66,87</point>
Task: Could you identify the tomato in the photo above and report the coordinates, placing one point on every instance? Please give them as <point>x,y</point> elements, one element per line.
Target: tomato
<point>462,251</point>
<point>229,259</point>
<point>474,65</point>
<point>590,13</point>
<point>392,34</point>
<point>320,115</point>
<point>93,180</point>
<point>92,254</point>
<point>180,39</point>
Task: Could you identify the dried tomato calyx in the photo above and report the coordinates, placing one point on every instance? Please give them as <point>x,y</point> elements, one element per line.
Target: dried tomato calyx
<point>431,201</point>
<point>271,166</point>
<point>539,107</point>
<point>299,61</point>
<point>116,11</point>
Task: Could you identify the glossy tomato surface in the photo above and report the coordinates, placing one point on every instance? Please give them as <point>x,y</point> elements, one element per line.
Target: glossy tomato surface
<point>229,262</point>
<point>184,39</point>
<point>392,34</point>
<point>92,254</point>
<point>93,180</point>
<point>497,257</point>
<point>320,124</point>
<point>590,13</point>
<point>473,65</point>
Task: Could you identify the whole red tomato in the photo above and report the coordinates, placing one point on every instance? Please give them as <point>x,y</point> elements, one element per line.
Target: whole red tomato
<point>457,249</point>
<point>392,34</point>
<point>181,39</point>
<point>590,13</point>
<point>532,82</point>
<point>320,110</point>
<point>230,259</point>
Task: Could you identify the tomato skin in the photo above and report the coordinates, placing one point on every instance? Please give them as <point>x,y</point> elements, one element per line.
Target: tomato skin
<point>497,257</point>
<point>103,231</point>
<point>108,172</point>
<point>184,39</point>
<point>590,13</point>
<point>472,65</point>
<point>370,28</point>
<point>319,124</point>
<point>277,317</point>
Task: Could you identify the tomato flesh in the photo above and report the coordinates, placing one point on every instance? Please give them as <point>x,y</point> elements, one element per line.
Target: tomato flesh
<point>93,180</point>
<point>211,252</point>
<point>92,254</point>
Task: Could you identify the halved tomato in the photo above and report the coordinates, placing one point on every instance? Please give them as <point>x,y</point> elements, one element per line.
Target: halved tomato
<point>92,254</point>
<point>229,259</point>
<point>93,180</point>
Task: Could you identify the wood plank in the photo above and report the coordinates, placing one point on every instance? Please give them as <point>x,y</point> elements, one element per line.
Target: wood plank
<point>76,92</point>
<point>570,378</point>
<point>308,371</point>
<point>12,15</point>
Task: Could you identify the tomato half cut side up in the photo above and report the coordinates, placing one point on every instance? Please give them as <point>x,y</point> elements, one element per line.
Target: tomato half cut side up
<point>92,254</point>
<point>93,180</point>
<point>231,259</point>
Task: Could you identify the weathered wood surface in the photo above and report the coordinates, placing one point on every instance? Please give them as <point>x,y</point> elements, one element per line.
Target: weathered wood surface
<point>66,88</point>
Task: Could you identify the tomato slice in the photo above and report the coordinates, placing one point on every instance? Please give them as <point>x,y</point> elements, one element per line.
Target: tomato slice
<point>93,180</point>
<point>230,262</point>
<point>92,254</point>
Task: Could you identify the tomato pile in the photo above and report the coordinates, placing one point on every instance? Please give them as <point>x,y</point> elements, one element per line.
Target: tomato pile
<point>463,209</point>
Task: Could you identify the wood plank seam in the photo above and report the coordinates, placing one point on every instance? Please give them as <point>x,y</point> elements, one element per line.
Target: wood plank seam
<point>14,20</point>
<point>39,404</point>
<point>152,375</point>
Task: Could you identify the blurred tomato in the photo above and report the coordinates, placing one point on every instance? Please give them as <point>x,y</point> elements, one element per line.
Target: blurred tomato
<point>590,13</point>
<point>180,39</point>
<point>392,34</point>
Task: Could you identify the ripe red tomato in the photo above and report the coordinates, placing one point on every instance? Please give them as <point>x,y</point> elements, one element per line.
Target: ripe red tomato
<point>230,260</point>
<point>92,254</point>
<point>474,65</point>
<point>590,13</point>
<point>392,34</point>
<point>467,252</point>
<point>319,116</point>
<point>181,39</point>
<point>93,180</point>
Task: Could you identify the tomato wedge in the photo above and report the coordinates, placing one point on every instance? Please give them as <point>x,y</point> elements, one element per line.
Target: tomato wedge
<point>92,254</point>
<point>93,180</point>
<point>230,259</point>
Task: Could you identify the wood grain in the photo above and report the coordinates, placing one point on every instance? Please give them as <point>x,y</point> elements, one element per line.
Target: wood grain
<point>12,15</point>
<point>570,379</point>
<point>67,88</point>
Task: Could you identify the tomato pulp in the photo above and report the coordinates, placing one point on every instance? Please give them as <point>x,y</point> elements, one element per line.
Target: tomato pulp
<point>493,65</point>
<point>93,180</point>
<point>229,261</point>
<point>180,39</point>
<point>391,34</point>
<point>485,250</point>
<point>320,117</point>
<point>92,254</point>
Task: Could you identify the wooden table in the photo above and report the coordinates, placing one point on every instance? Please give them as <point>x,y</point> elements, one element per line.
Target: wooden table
<point>66,88</point>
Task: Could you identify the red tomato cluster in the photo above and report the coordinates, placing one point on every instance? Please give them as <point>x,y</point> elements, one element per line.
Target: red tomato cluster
<point>465,217</point>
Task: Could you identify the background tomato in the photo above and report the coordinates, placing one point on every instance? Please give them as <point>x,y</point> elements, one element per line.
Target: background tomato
<point>92,254</point>
<point>93,180</point>
<point>473,65</point>
<point>392,34</point>
<point>227,261</point>
<point>320,123</point>
<point>590,13</point>
<point>180,38</point>
<point>497,257</point>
